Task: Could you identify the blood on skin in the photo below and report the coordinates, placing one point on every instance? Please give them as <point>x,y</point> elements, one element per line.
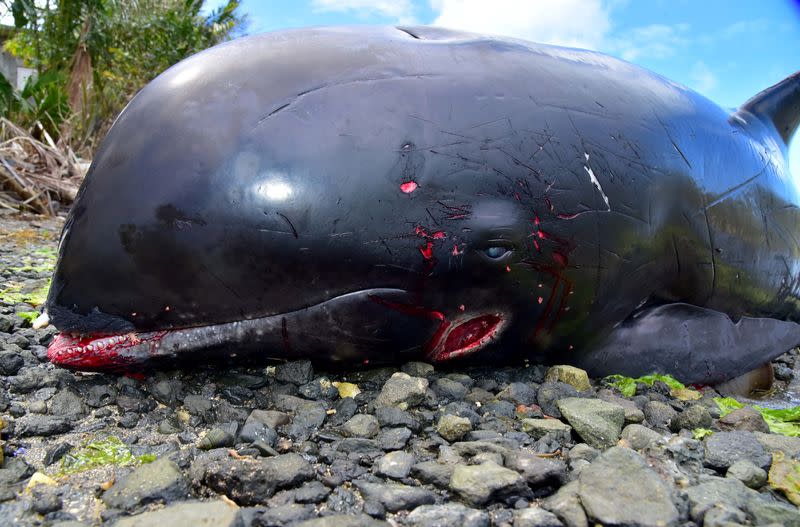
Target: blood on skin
<point>427,250</point>
<point>449,340</point>
<point>98,352</point>
<point>409,186</point>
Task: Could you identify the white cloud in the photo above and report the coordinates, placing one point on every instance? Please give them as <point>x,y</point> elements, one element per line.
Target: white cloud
<point>656,41</point>
<point>702,78</point>
<point>400,10</point>
<point>576,23</point>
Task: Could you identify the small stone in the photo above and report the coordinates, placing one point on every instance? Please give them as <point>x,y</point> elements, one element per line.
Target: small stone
<point>747,419</point>
<point>550,393</point>
<point>297,372</point>
<point>10,363</point>
<point>449,389</point>
<point>395,465</point>
<point>41,425</point>
<point>536,517</point>
<point>446,515</point>
<point>361,425</point>
<point>518,393</point>
<point>714,491</point>
<point>749,474</point>
<point>158,482</point>
<point>575,377</point>
<point>256,429</point>
<point>766,513</point>
<point>187,514</point>
<point>56,452</point>
<point>403,391</point>
<point>538,428</point>
<point>566,505</point>
<point>394,496</point>
<point>618,488</point>
<point>393,416</point>
<point>166,391</point>
<point>249,481</point>
<point>100,395</point>
<point>287,514</point>
<point>453,428</point>
<point>197,405</point>
<point>723,449</point>
<point>433,472</point>
<point>417,369</point>
<point>597,422</point>
<point>343,520</point>
<point>312,492</point>
<point>659,414</point>
<point>695,416</point>
<point>777,443</point>
<point>539,473</point>
<point>393,438</point>
<point>479,484</point>
<point>723,515</point>
<point>640,437</point>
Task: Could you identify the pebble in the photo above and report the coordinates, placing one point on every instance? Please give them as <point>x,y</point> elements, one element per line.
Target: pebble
<point>749,474</point>
<point>187,514</point>
<point>640,437</point>
<point>747,419</point>
<point>447,515</point>
<point>453,428</point>
<point>394,496</point>
<point>478,484</point>
<point>538,428</point>
<point>618,488</point>
<point>598,423</point>
<point>361,425</point>
<point>575,377</point>
<point>535,517</point>
<point>723,449</point>
<point>695,416</point>
<point>402,391</point>
<point>659,414</point>
<point>395,465</point>
<point>157,482</point>
<point>297,372</point>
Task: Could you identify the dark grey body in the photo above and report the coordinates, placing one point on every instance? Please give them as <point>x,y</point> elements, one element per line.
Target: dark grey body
<point>270,175</point>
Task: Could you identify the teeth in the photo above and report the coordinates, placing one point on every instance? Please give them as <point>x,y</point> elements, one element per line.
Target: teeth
<point>42,321</point>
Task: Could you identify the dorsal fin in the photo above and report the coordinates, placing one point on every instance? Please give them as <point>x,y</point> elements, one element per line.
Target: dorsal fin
<point>780,104</point>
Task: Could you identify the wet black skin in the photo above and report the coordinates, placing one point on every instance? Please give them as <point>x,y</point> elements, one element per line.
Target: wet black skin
<point>263,177</point>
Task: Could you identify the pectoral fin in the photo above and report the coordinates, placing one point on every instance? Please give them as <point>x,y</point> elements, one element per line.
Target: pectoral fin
<point>694,344</point>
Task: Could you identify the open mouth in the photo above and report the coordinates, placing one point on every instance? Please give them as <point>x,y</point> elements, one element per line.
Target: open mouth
<point>460,338</point>
<point>103,351</point>
<point>324,328</point>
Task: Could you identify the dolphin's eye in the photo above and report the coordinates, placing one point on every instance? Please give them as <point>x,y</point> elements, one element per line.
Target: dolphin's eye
<point>496,252</point>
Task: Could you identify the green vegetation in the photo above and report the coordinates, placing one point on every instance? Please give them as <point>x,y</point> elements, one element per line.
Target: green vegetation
<point>627,385</point>
<point>92,56</point>
<point>784,475</point>
<point>701,433</point>
<point>13,294</point>
<point>28,316</point>
<point>107,451</point>
<point>784,421</point>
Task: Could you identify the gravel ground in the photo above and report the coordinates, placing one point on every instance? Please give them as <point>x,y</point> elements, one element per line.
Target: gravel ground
<point>417,445</point>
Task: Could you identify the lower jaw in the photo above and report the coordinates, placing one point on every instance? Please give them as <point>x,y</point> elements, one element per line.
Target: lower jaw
<point>464,335</point>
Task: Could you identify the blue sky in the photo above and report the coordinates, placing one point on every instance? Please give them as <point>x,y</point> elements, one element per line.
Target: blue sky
<point>727,50</point>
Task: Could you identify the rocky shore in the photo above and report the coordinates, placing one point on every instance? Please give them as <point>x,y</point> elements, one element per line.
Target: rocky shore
<point>416,445</point>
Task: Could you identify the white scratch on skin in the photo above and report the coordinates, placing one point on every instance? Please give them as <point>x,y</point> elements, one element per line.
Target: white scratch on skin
<point>595,182</point>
